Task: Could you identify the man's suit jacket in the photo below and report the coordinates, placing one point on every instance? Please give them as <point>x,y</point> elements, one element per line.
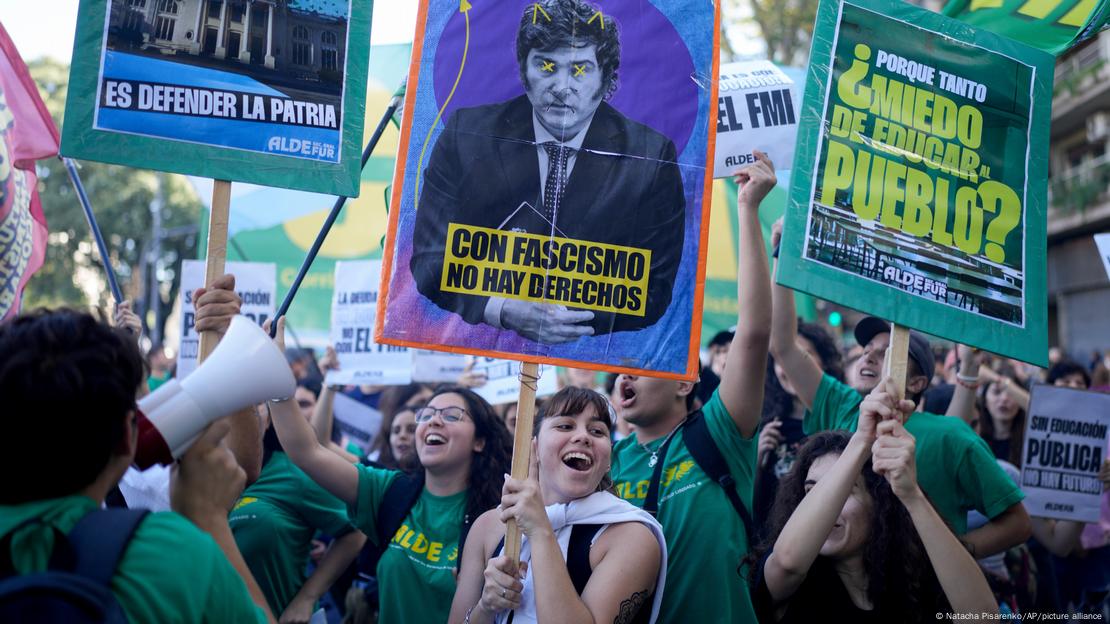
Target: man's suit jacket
<point>625,189</point>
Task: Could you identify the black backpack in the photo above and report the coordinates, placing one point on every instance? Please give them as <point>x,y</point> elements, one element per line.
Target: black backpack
<point>76,586</point>
<point>709,458</point>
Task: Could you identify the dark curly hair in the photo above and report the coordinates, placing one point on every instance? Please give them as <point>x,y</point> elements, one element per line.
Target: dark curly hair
<point>901,581</point>
<point>569,26</point>
<point>1064,368</point>
<point>572,400</point>
<point>394,400</point>
<point>488,467</point>
<point>777,402</point>
<point>67,381</point>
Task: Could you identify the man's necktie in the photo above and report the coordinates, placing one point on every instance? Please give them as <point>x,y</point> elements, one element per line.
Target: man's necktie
<point>556,186</point>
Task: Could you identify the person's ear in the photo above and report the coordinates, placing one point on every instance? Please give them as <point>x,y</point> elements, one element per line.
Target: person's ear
<point>916,385</point>
<point>684,389</point>
<point>479,445</point>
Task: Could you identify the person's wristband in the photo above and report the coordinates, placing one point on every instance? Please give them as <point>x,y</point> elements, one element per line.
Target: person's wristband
<point>968,381</point>
<point>280,399</point>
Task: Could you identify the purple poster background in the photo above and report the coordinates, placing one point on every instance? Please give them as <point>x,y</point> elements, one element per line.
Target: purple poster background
<point>666,58</point>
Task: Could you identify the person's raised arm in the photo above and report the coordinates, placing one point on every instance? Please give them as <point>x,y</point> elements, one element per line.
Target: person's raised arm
<point>804,374</point>
<point>339,556</point>
<point>216,305</point>
<point>124,317</point>
<point>1059,537</point>
<point>323,416</point>
<point>204,486</point>
<point>741,388</point>
<point>960,578</point>
<point>326,468</point>
<point>962,405</point>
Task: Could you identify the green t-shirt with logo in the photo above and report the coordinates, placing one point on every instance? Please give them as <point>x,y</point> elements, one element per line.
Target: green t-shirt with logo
<point>705,536</point>
<point>955,467</point>
<point>171,571</point>
<point>274,522</point>
<point>416,572</point>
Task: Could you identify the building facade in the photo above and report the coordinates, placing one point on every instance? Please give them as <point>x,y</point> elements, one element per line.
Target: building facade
<point>1079,200</point>
<point>304,38</point>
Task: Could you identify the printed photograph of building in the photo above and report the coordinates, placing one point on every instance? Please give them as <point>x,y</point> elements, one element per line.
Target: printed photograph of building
<point>291,43</point>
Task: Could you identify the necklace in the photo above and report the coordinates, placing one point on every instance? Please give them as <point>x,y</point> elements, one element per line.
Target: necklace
<point>655,454</point>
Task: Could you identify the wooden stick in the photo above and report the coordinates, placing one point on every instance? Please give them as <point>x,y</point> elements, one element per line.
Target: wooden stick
<point>217,253</point>
<point>894,366</point>
<point>522,445</point>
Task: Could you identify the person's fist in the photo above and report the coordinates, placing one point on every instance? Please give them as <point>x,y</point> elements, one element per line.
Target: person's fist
<point>207,480</point>
<point>216,305</point>
<point>755,181</point>
<point>126,318</point>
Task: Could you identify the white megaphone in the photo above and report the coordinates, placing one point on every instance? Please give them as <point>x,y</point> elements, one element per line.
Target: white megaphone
<point>245,369</point>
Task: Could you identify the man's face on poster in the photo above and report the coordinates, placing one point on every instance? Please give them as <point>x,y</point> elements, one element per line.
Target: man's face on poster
<point>564,87</point>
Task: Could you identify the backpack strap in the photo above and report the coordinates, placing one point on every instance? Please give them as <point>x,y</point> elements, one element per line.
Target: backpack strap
<point>578,554</point>
<point>400,497</point>
<point>100,539</point>
<point>709,458</point>
<point>651,501</point>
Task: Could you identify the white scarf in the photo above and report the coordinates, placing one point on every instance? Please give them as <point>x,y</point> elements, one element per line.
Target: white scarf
<point>598,508</point>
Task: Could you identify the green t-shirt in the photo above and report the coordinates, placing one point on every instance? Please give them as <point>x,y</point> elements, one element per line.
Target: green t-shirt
<point>416,572</point>
<point>955,467</point>
<point>274,522</point>
<point>705,536</point>
<point>170,572</point>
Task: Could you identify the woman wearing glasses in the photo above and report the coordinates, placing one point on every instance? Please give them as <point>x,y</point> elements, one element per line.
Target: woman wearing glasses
<point>587,555</point>
<point>465,453</point>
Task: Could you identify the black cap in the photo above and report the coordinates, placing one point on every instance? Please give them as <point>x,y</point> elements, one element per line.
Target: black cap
<point>920,351</point>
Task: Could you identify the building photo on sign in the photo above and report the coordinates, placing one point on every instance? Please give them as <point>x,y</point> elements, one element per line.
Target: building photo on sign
<point>278,64</point>
<point>924,160</point>
<point>551,205</point>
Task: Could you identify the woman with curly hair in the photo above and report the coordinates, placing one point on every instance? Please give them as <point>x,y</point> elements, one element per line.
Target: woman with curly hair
<point>464,451</point>
<point>852,533</point>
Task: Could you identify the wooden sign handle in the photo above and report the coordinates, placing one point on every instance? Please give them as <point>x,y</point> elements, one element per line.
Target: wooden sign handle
<point>894,366</point>
<point>217,253</point>
<point>522,445</point>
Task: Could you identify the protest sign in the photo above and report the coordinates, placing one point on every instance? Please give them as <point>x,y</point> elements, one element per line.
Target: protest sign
<point>1065,444</point>
<point>361,360</point>
<point>757,109</point>
<point>1102,241</point>
<point>357,423</point>
<point>266,92</point>
<point>919,187</point>
<point>255,283</point>
<point>1051,25</point>
<point>564,232</point>
<point>503,380</point>
<point>436,367</point>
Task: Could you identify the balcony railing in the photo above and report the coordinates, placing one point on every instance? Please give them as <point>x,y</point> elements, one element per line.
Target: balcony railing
<point>1081,187</point>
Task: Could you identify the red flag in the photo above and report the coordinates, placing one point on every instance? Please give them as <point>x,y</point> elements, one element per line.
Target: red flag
<point>27,133</point>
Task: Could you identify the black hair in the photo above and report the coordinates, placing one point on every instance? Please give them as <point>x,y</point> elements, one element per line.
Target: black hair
<point>723,337</point>
<point>68,382</point>
<point>901,582</point>
<point>488,466</point>
<point>1065,368</point>
<point>777,402</point>
<point>1017,427</point>
<point>566,23</point>
<point>312,384</point>
<point>393,401</point>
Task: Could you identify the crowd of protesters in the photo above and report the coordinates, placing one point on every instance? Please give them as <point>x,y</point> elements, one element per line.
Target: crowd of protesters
<point>794,483</point>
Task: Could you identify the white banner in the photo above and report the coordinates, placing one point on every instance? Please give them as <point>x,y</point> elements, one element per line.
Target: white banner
<point>437,367</point>
<point>503,380</point>
<point>356,422</point>
<point>1065,443</point>
<point>353,310</point>
<point>757,109</point>
<point>256,283</point>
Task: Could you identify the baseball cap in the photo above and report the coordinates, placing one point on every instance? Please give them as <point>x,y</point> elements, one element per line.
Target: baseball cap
<point>920,351</point>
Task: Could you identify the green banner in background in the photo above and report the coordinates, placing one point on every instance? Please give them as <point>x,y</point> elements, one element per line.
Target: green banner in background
<point>279,226</point>
<point>919,184</point>
<point>1051,25</point>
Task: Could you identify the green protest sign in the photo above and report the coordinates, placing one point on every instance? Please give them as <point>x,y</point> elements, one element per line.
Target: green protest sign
<point>1051,25</point>
<point>919,185</point>
<point>270,93</point>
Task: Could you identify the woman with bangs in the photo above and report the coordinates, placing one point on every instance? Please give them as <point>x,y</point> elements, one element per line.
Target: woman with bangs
<point>586,555</point>
<point>851,533</point>
<point>464,452</point>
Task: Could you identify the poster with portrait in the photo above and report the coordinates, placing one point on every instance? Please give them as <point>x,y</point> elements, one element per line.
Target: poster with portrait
<point>270,92</point>
<point>551,194</point>
<point>919,185</point>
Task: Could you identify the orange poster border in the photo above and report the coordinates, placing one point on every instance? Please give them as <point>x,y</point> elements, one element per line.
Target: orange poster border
<point>693,363</point>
